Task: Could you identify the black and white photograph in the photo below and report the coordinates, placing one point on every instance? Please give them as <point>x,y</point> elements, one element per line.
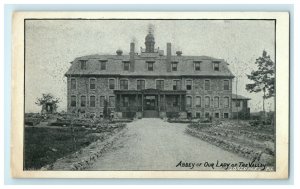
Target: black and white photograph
<point>151,94</point>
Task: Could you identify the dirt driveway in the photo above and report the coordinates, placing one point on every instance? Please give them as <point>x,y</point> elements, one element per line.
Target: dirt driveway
<point>152,144</point>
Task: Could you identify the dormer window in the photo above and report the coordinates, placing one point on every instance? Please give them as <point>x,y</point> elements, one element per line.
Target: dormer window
<point>83,64</point>
<point>126,65</point>
<point>197,65</point>
<point>174,66</point>
<point>103,64</point>
<point>216,66</point>
<point>150,66</point>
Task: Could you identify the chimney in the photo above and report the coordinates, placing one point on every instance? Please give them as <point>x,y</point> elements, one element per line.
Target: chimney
<point>179,53</point>
<point>119,52</point>
<point>131,56</point>
<point>169,53</point>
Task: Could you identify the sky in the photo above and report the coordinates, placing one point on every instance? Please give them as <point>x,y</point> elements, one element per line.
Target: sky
<point>52,44</point>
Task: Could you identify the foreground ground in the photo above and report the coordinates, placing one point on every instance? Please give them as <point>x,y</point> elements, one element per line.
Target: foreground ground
<point>43,145</point>
<point>152,144</point>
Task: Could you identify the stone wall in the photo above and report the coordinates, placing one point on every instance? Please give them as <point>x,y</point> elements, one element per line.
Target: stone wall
<point>102,89</point>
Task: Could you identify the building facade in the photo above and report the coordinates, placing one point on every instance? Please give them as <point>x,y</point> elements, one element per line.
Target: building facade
<point>240,109</point>
<point>150,83</point>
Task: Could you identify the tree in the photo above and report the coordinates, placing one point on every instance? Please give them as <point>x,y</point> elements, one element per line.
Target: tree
<point>263,78</point>
<point>48,100</point>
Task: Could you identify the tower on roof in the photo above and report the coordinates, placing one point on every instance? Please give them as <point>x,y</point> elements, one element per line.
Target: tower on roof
<point>150,42</point>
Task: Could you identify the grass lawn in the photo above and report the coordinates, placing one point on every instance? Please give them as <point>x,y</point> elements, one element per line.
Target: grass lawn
<point>45,145</point>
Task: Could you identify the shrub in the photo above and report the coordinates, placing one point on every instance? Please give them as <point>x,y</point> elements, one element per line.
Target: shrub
<point>172,115</point>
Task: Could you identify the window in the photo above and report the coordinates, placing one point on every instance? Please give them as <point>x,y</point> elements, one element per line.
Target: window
<point>140,84</point>
<point>176,85</point>
<point>92,101</point>
<point>226,102</point>
<point>198,101</point>
<point>238,103</point>
<point>111,83</point>
<point>174,66</point>
<point>125,101</point>
<point>207,84</point>
<point>189,101</point>
<point>103,64</point>
<point>226,115</point>
<point>111,101</point>
<point>73,83</point>
<point>189,115</point>
<point>83,101</point>
<point>102,99</point>
<point>207,115</point>
<point>197,65</point>
<point>207,102</point>
<point>160,84</point>
<point>92,83</point>
<point>198,115</point>
<point>226,85</point>
<point>126,65</point>
<point>176,101</point>
<point>216,66</point>
<point>83,64</point>
<point>150,66</point>
<point>188,84</point>
<point>73,101</point>
<point>216,101</point>
<point>124,84</point>
<point>217,115</point>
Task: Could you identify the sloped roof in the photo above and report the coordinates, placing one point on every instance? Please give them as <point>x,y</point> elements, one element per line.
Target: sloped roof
<point>239,97</point>
<point>115,66</point>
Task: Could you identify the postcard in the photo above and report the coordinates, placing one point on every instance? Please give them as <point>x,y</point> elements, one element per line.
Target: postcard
<point>150,95</point>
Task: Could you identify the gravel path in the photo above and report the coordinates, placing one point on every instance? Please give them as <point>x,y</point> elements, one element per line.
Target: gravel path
<point>152,144</point>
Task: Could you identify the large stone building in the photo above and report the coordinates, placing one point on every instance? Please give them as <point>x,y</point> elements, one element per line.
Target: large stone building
<point>150,83</point>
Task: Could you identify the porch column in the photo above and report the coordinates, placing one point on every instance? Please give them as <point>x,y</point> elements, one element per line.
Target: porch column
<point>158,102</point>
<point>180,102</point>
<point>142,102</point>
<point>120,102</point>
<point>117,103</point>
<point>165,106</point>
<point>184,102</point>
<point>136,101</point>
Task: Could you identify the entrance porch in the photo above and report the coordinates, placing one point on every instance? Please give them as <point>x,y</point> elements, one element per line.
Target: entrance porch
<point>149,102</point>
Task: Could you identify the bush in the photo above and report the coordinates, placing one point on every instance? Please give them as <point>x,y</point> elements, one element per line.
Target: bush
<point>172,115</point>
<point>199,125</point>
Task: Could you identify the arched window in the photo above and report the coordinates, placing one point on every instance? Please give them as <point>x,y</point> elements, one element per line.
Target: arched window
<point>207,102</point>
<point>124,84</point>
<point>198,101</point>
<point>189,101</point>
<point>73,101</point>
<point>226,102</point>
<point>216,101</point>
<point>92,83</point>
<point>92,101</point>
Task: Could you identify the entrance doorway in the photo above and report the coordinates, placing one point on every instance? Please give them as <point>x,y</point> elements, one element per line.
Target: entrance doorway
<point>150,102</point>
<point>150,106</point>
